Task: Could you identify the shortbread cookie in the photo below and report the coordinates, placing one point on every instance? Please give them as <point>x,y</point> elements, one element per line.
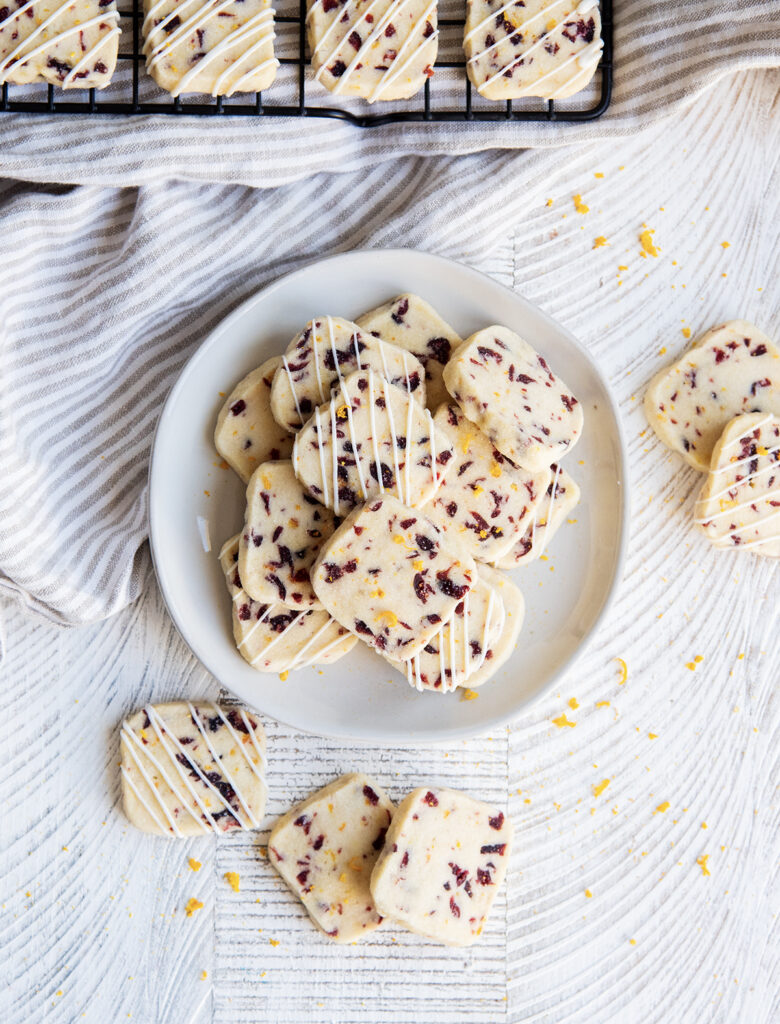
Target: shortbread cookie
<point>409,322</point>
<point>327,350</point>
<point>210,46</point>
<point>275,638</point>
<point>69,43</point>
<point>468,639</point>
<point>739,505</point>
<point>730,370</point>
<point>246,433</point>
<point>484,502</point>
<point>558,503</point>
<point>391,577</point>
<point>377,49</point>
<point>504,646</point>
<point>283,530</point>
<point>325,849</point>
<point>508,390</point>
<point>372,438</point>
<point>444,860</point>
<point>535,48</point>
<point>192,767</point>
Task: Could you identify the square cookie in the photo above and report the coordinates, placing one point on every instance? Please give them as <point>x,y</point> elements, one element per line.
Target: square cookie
<point>377,49</point>
<point>284,528</point>
<point>731,370</point>
<point>484,502</point>
<point>247,433</point>
<point>371,438</point>
<point>444,860</point>
<point>69,43</point>
<point>510,392</point>
<point>210,47</point>
<point>391,577</point>
<point>325,849</point>
<point>532,47</point>
<point>192,767</point>
<point>739,505</point>
<point>411,323</point>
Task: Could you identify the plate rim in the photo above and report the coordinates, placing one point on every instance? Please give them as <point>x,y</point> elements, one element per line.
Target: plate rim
<point>504,719</point>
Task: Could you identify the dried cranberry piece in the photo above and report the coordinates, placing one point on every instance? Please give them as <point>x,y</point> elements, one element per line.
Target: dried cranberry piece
<point>498,821</point>
<point>493,848</point>
<point>405,859</point>
<point>454,907</point>
<point>430,799</point>
<point>424,543</point>
<point>390,32</point>
<point>759,350</point>
<point>422,588</point>
<point>333,572</point>
<point>370,795</point>
<point>484,877</point>
<point>387,474</point>
<point>406,523</point>
<point>379,842</point>
<point>302,876</point>
<point>355,40</point>
<point>337,70</point>
<point>448,588</point>
<point>317,844</point>
<point>361,627</point>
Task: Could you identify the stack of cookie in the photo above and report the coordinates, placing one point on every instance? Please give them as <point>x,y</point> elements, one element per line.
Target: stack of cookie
<point>719,407</point>
<point>392,470</point>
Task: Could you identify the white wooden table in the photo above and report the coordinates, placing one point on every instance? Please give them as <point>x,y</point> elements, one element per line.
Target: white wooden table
<point>611,914</point>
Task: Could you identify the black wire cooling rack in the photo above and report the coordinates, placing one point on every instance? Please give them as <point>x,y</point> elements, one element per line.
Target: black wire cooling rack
<point>448,97</point>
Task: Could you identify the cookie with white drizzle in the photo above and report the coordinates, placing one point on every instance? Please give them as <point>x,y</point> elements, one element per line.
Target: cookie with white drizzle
<point>514,611</point>
<point>504,386</point>
<point>377,49</point>
<point>546,48</point>
<point>247,433</point>
<point>558,502</point>
<point>371,438</point>
<point>391,576</point>
<point>191,767</point>
<point>730,370</point>
<point>70,44</point>
<point>739,504</point>
<point>218,47</point>
<point>284,528</point>
<point>327,350</point>
<point>275,638</point>
<point>467,640</point>
<point>444,860</point>
<point>325,849</point>
<point>484,501</point>
<point>411,323</point>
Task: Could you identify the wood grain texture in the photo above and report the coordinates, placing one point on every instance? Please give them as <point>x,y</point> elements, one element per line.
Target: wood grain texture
<point>98,932</point>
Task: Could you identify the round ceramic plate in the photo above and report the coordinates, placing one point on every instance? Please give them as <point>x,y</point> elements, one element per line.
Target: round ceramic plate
<point>360,696</point>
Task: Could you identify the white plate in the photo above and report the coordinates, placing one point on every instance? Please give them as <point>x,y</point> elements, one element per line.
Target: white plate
<point>360,697</point>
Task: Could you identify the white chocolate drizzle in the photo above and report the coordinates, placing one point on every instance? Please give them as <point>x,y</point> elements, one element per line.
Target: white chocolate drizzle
<point>748,481</point>
<point>172,749</point>
<point>402,472</point>
<point>452,674</point>
<point>260,24</point>
<point>400,62</point>
<point>20,54</point>
<point>583,60</point>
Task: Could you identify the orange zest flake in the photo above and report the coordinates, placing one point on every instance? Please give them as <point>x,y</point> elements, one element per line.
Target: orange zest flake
<point>652,735</point>
<point>599,788</point>
<point>686,332</point>
<point>573,703</point>
<point>283,675</point>
<point>623,671</point>
<point>204,975</point>
<point>602,703</point>
<point>232,879</point>
<point>579,206</point>
<point>646,241</point>
<point>588,893</point>
<point>662,808</point>
<point>274,942</point>
<point>726,245</point>
<point>549,202</point>
<point>192,906</point>
<point>692,664</point>
<point>702,862</point>
<point>195,865</point>
<point>562,721</point>
<point>469,695</point>
<point>599,241</point>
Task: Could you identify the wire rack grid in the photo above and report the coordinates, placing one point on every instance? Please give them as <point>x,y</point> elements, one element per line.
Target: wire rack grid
<point>447,98</point>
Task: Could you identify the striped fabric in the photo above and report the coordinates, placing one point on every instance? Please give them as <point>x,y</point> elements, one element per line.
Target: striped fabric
<point>106,292</point>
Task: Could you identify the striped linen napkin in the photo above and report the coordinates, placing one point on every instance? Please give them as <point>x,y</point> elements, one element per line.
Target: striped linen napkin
<point>105,292</point>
